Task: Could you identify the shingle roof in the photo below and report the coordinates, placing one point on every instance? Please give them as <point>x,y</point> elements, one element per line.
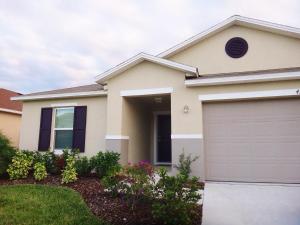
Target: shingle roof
<point>84,88</point>
<point>6,103</point>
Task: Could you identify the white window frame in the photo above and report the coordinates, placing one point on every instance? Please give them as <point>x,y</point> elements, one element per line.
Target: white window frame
<point>58,150</point>
<point>156,114</point>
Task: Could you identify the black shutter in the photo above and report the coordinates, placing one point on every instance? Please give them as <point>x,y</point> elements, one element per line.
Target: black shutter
<point>79,128</point>
<point>45,129</point>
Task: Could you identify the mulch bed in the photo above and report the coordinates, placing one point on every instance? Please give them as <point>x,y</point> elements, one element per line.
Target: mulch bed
<point>112,210</point>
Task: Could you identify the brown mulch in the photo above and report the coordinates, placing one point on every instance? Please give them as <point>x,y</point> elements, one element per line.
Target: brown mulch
<point>112,210</point>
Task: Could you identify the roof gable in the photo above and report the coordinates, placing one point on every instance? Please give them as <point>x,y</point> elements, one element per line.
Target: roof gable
<point>144,57</point>
<point>234,20</point>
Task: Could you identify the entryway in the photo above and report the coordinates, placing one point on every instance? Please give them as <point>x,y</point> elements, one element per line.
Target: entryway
<point>147,122</point>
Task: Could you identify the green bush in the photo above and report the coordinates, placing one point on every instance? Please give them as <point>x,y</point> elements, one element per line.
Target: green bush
<point>7,151</point>
<point>20,166</point>
<point>40,172</point>
<point>111,181</point>
<point>184,165</point>
<point>176,197</point>
<point>104,162</point>
<point>83,166</point>
<point>69,173</point>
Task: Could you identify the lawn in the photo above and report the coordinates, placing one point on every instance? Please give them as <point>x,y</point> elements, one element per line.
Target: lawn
<point>42,204</point>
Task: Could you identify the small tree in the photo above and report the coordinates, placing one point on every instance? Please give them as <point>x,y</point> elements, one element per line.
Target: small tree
<point>7,152</point>
<point>184,165</point>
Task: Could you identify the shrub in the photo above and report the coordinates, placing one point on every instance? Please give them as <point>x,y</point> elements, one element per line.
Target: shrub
<point>134,182</point>
<point>111,181</point>
<point>69,173</point>
<point>20,166</point>
<point>104,162</point>
<point>184,165</point>
<point>176,196</point>
<point>50,160</point>
<point>40,172</point>
<point>7,151</point>
<point>83,166</point>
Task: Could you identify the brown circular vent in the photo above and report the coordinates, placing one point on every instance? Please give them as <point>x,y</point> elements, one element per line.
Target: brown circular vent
<point>236,47</point>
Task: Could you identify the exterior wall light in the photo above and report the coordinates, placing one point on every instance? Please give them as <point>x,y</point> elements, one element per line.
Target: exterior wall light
<point>186,109</point>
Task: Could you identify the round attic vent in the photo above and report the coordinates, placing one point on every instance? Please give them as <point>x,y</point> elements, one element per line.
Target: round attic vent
<point>236,47</point>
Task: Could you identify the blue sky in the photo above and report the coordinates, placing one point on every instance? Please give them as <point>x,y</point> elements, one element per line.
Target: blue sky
<point>52,44</point>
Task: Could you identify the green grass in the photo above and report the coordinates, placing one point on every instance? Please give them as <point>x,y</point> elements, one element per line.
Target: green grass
<point>40,204</point>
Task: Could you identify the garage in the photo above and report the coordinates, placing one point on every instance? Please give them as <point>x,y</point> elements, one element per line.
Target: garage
<point>252,141</point>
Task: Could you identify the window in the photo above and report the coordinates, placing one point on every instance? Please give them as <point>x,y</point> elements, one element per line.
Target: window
<point>63,131</point>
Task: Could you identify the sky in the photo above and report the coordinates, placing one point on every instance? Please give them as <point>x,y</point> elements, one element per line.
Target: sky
<point>50,44</point>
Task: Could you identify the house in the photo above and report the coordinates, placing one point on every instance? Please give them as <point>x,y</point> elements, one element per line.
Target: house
<point>10,116</point>
<point>230,95</point>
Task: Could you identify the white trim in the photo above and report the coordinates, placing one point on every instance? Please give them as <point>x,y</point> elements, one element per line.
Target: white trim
<point>186,136</point>
<point>140,58</point>
<point>64,104</point>
<point>64,95</point>
<point>150,91</point>
<point>155,114</point>
<point>11,111</point>
<point>252,94</point>
<point>234,20</point>
<point>295,75</point>
<point>116,137</point>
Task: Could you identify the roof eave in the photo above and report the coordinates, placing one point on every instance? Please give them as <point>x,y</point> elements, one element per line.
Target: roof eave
<point>60,96</point>
<point>140,58</point>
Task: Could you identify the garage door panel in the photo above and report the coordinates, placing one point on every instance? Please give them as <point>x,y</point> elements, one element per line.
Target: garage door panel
<point>253,141</point>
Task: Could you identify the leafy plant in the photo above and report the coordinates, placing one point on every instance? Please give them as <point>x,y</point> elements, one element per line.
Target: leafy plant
<point>176,197</point>
<point>184,165</point>
<point>111,181</point>
<point>83,166</point>
<point>20,166</point>
<point>69,173</point>
<point>104,162</point>
<point>7,151</point>
<point>40,172</point>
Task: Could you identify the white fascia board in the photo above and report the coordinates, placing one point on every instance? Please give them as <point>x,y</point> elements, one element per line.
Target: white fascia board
<point>295,75</point>
<point>64,95</point>
<point>250,95</point>
<point>116,137</point>
<point>139,58</point>
<point>186,136</point>
<point>10,111</point>
<point>142,92</point>
<point>238,20</point>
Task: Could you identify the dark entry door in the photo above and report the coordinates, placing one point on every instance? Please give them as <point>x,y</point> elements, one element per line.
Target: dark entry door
<point>164,139</point>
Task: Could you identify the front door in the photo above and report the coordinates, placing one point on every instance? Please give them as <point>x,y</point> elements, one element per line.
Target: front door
<point>163,154</point>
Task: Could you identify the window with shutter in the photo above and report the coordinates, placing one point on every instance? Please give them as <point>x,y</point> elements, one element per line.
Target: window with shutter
<point>79,128</point>
<point>45,129</point>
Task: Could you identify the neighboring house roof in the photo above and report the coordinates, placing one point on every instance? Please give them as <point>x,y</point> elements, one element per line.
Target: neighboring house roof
<point>6,105</point>
<point>144,57</point>
<point>80,91</point>
<point>234,20</point>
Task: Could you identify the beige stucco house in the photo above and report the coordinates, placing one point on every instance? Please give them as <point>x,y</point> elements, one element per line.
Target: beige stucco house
<point>10,116</point>
<point>229,95</point>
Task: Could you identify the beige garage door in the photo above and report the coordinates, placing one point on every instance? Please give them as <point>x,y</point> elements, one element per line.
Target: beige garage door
<point>255,141</point>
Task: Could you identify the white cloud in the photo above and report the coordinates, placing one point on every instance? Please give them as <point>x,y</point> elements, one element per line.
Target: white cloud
<point>50,44</point>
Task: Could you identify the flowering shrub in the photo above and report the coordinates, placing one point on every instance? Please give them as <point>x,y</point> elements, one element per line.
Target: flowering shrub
<point>20,166</point>
<point>176,197</point>
<point>40,172</point>
<point>69,173</point>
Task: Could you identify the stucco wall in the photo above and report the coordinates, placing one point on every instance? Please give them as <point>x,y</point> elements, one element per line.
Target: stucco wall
<point>265,51</point>
<point>95,127</point>
<point>10,126</point>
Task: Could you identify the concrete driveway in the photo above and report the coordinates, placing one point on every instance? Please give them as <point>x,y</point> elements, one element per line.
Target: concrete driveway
<point>251,204</point>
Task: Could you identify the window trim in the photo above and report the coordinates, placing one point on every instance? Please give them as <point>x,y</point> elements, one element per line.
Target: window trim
<point>59,150</point>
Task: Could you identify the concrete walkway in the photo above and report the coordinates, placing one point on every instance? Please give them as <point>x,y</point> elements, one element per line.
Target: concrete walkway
<point>251,204</point>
